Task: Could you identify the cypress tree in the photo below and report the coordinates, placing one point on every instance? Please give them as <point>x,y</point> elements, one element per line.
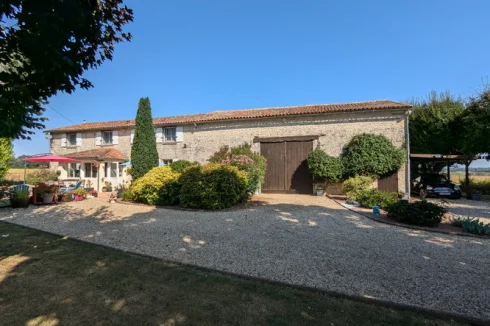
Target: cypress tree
<point>144,155</point>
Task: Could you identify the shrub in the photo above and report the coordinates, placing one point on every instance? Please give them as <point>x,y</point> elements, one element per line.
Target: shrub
<point>160,186</point>
<point>471,225</point>
<point>417,213</point>
<point>240,156</point>
<point>483,186</point>
<point>368,198</point>
<point>220,155</point>
<point>353,185</point>
<point>181,165</point>
<point>41,176</point>
<point>372,155</point>
<point>324,167</point>
<point>213,186</point>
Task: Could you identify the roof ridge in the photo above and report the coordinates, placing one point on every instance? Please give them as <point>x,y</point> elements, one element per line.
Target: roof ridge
<point>256,113</point>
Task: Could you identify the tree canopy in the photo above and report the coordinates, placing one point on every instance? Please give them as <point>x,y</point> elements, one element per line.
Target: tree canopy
<point>6,154</point>
<point>45,47</point>
<point>144,155</point>
<point>431,123</point>
<point>371,155</point>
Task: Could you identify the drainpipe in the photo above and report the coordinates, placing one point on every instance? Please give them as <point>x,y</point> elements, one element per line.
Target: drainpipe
<point>407,144</point>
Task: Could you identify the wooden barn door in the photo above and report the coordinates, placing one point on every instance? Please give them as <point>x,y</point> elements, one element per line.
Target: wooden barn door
<point>274,175</point>
<point>287,170</point>
<point>389,183</point>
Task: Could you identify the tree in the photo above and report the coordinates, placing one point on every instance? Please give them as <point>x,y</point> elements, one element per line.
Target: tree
<point>144,155</point>
<point>45,47</point>
<point>371,155</point>
<point>6,154</point>
<point>430,123</point>
<point>432,129</point>
<point>472,130</point>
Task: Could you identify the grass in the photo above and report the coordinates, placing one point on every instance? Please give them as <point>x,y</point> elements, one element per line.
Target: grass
<point>17,174</point>
<point>50,280</point>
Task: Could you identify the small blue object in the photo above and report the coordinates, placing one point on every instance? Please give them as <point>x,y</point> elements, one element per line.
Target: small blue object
<point>376,210</point>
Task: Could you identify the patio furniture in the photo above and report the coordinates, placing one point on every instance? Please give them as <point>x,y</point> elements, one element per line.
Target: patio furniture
<point>77,185</point>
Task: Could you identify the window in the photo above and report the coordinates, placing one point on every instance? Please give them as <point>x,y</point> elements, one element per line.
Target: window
<point>73,170</point>
<point>164,162</point>
<point>71,139</point>
<point>90,170</point>
<point>107,138</point>
<point>169,135</point>
<point>111,170</point>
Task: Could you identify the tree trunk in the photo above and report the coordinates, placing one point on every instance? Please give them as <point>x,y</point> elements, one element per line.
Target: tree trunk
<point>467,178</point>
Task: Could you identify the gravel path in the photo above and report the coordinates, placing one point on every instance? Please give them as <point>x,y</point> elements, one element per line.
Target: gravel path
<point>465,207</point>
<point>297,239</point>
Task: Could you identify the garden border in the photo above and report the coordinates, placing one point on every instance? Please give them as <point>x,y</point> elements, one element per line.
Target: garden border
<point>358,298</point>
<point>407,226</point>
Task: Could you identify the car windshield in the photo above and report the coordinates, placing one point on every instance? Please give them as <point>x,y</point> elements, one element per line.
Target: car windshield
<point>435,178</point>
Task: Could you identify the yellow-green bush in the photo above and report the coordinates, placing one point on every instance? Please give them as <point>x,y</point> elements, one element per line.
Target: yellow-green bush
<point>213,186</point>
<point>353,185</point>
<point>160,186</point>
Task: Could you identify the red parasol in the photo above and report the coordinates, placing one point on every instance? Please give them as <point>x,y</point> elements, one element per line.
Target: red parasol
<point>49,158</point>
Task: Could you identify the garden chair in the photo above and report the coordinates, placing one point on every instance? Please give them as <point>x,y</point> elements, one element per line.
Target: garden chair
<point>20,187</point>
<point>76,186</point>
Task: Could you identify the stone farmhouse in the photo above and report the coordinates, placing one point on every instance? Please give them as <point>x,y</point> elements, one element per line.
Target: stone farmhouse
<point>284,135</point>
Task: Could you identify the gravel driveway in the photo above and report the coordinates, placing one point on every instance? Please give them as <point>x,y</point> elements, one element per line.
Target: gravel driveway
<point>297,239</point>
<point>465,207</point>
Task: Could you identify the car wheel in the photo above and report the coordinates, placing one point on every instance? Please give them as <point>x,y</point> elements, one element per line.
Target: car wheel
<point>423,193</point>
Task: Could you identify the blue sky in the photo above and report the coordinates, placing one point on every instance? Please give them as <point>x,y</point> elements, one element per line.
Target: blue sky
<point>200,56</point>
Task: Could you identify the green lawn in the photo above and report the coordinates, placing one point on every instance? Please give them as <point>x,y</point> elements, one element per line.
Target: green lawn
<point>49,280</point>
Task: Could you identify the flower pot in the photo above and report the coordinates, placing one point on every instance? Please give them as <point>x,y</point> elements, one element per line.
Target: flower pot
<point>319,192</point>
<point>475,196</point>
<point>20,203</point>
<point>79,197</point>
<point>48,197</point>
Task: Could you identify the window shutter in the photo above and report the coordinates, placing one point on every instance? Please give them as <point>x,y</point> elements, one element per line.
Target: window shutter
<point>179,134</point>
<point>98,138</point>
<point>115,138</point>
<point>132,135</point>
<point>79,139</point>
<point>159,135</point>
<point>63,140</point>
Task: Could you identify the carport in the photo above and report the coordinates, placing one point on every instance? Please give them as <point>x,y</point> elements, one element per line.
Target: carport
<point>447,159</point>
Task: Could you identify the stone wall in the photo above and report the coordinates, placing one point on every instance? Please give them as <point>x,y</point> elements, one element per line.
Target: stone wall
<point>203,139</point>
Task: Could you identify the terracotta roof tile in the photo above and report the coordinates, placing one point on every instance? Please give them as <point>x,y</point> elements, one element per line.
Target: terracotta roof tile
<point>243,114</point>
<point>102,154</point>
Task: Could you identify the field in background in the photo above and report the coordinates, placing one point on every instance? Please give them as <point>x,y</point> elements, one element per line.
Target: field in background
<point>17,174</point>
<point>459,175</point>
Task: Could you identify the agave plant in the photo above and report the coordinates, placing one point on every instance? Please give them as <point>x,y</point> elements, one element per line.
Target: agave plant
<point>471,225</point>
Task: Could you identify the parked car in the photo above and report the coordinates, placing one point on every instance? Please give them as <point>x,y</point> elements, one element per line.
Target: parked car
<point>435,185</point>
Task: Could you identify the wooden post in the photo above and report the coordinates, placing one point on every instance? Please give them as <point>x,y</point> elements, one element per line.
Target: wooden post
<point>467,178</point>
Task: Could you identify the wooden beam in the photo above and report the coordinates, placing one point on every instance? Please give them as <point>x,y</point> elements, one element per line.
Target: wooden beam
<point>281,139</point>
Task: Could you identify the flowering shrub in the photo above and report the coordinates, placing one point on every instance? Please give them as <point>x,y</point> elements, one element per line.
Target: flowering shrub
<point>41,176</point>
<point>255,174</point>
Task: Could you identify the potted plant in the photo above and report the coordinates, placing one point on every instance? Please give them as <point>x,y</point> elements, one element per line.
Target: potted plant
<point>476,195</point>
<point>79,194</point>
<point>20,198</point>
<point>319,189</point>
<point>107,186</point>
<point>88,185</point>
<point>47,193</point>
